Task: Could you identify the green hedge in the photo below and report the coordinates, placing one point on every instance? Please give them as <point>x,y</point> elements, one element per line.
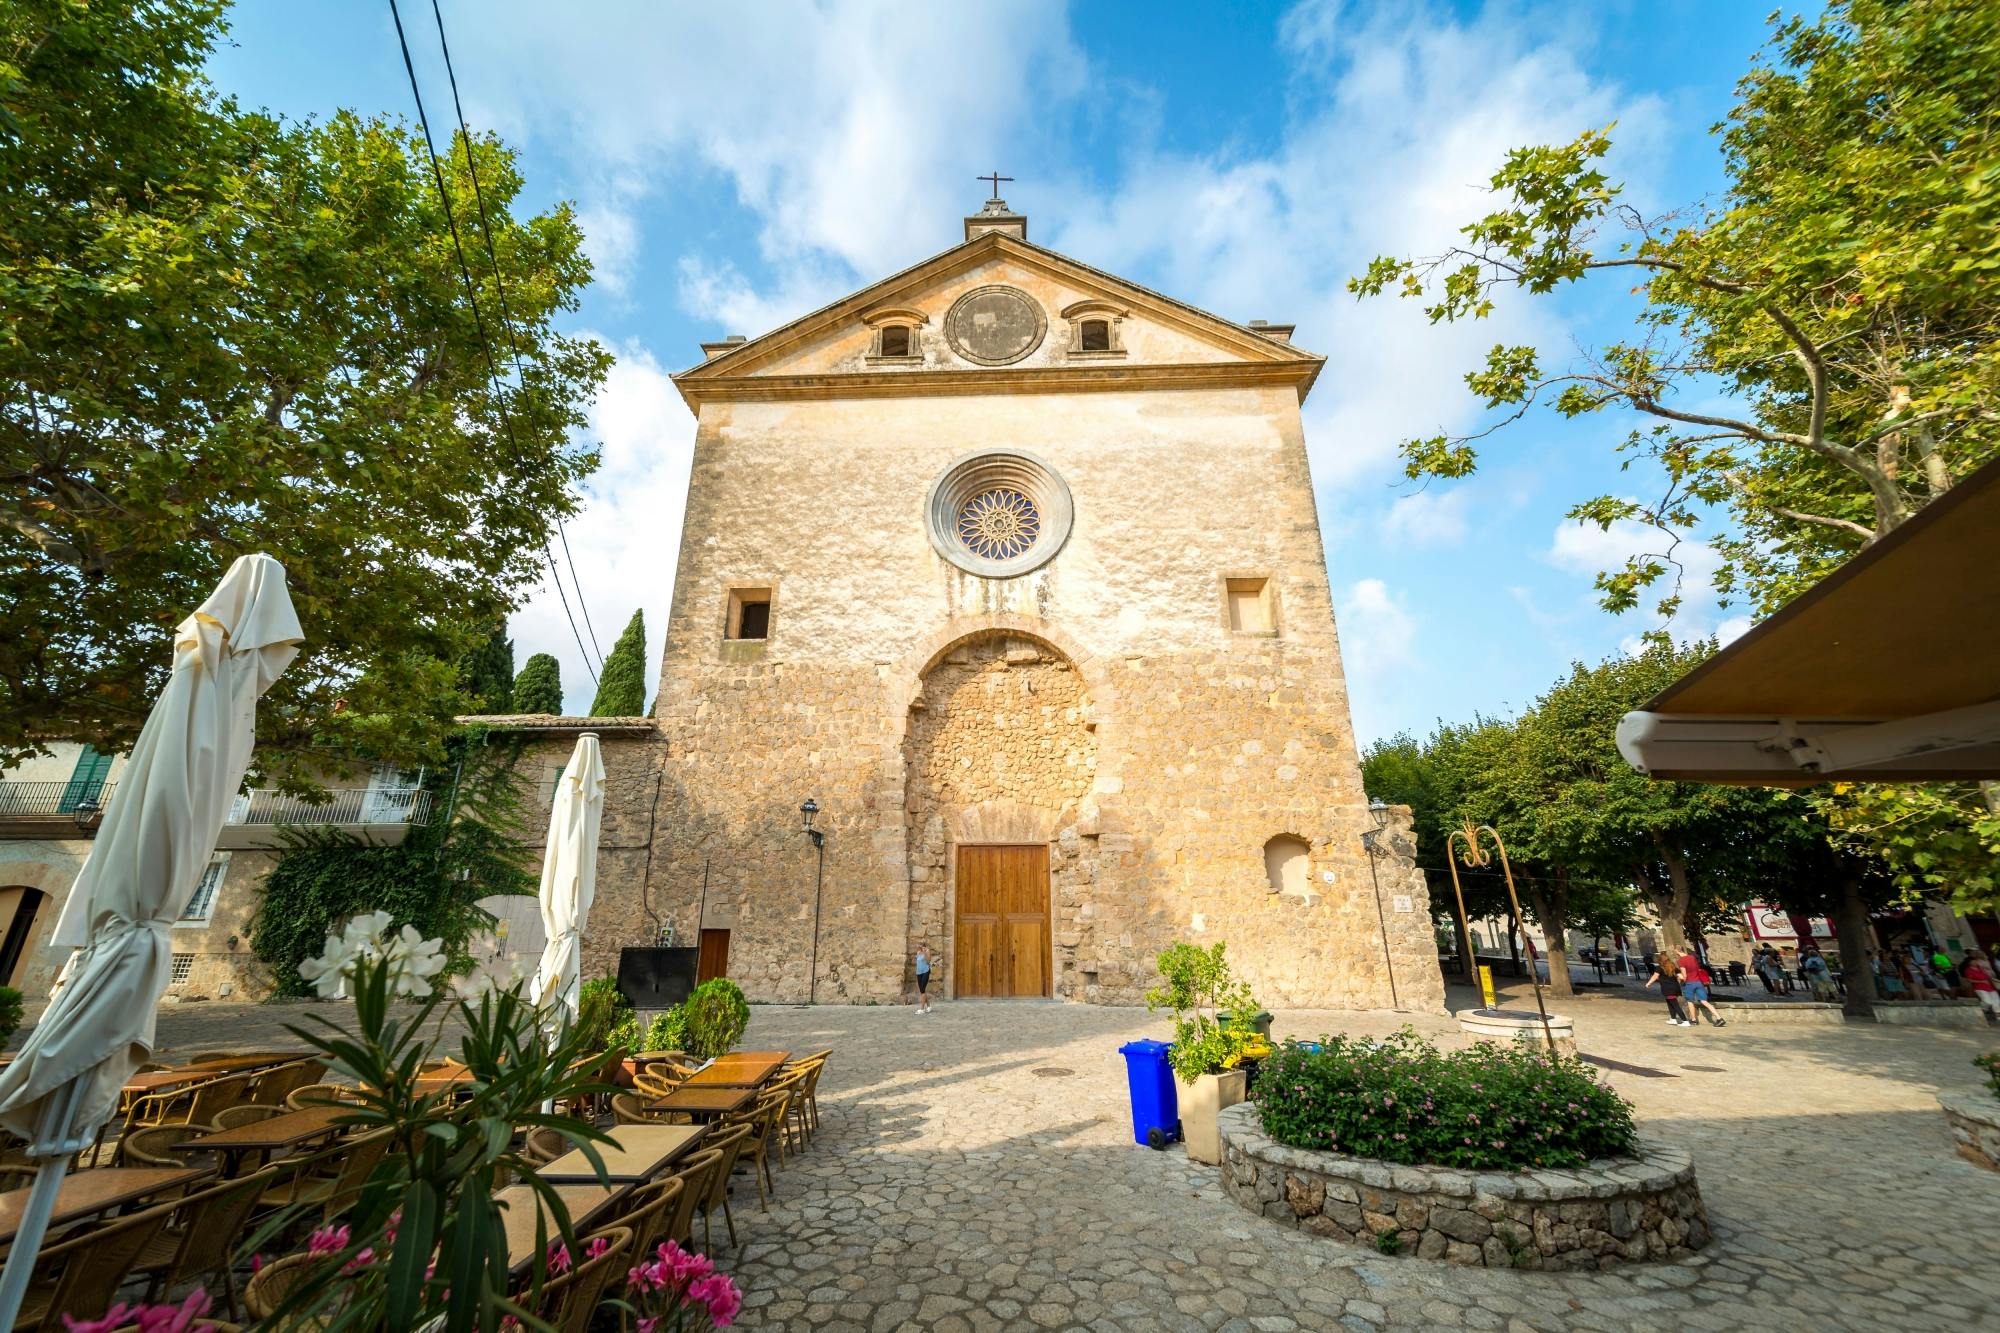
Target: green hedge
<point>1402,1100</point>
<point>716,1014</point>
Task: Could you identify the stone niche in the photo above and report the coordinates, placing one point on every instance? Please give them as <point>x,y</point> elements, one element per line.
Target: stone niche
<point>1622,1210</point>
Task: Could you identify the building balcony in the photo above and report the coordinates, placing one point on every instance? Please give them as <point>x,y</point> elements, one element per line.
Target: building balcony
<point>379,815</point>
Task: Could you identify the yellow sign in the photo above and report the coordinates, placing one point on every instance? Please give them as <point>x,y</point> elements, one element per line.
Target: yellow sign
<point>1486,986</point>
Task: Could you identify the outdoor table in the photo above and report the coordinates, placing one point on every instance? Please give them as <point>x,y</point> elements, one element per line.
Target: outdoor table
<point>159,1080</point>
<point>443,1080</point>
<point>738,1071</point>
<point>269,1134</point>
<point>232,1064</point>
<point>98,1190</point>
<point>521,1209</point>
<point>708,1103</point>
<point>636,1152</point>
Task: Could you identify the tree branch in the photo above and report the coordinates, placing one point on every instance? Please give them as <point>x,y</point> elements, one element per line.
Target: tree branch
<point>1738,485</point>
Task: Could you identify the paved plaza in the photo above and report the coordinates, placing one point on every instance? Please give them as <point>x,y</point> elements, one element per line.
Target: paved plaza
<point>976,1171</point>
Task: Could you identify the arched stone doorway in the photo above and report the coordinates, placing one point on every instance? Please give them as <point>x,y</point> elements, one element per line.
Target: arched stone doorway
<point>998,761</point>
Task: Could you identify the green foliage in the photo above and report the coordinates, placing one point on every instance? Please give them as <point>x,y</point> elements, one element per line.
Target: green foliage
<point>432,1195</point>
<point>667,1032</point>
<point>601,1010</point>
<point>538,687</point>
<point>1198,986</point>
<point>487,672</point>
<point>621,686</point>
<point>1991,1064</point>
<point>1402,1100</point>
<point>226,332</point>
<point>1843,290</point>
<point>433,880</point>
<point>1389,1242</point>
<point>10,1014</point>
<point>714,1018</point>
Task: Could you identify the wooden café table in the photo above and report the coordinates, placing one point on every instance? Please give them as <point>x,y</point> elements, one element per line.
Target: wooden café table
<point>161,1080</point>
<point>521,1209</point>
<point>635,1153</point>
<point>98,1190</point>
<point>443,1080</point>
<point>707,1103</point>
<point>742,1069</point>
<point>271,1134</point>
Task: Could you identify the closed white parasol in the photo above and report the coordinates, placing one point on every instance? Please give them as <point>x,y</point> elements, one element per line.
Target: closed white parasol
<point>155,840</point>
<point>569,878</point>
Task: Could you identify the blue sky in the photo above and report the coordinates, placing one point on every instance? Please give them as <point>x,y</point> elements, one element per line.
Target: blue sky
<point>735,166</point>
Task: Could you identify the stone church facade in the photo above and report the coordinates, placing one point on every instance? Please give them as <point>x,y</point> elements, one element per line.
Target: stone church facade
<point>1013,569</point>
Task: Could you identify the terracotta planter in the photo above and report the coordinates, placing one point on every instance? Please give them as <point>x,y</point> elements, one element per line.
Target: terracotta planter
<point>1200,1104</point>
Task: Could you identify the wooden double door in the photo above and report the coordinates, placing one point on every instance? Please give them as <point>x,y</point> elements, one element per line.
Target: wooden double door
<point>1002,920</point>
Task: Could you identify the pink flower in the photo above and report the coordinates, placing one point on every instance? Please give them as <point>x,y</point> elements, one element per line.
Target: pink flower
<point>598,1245</point>
<point>329,1240</point>
<point>359,1261</point>
<point>650,1324</point>
<point>719,1294</point>
<point>680,1267</point>
<point>149,1318</point>
<point>558,1257</point>
<point>116,1317</point>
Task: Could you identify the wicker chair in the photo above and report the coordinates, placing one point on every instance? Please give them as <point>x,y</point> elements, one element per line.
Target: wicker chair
<point>814,1065</point>
<point>543,1145</point>
<point>763,1121</point>
<point>275,1086</point>
<point>653,1209</point>
<point>247,1114</point>
<point>729,1143</point>
<point>630,1109</point>
<point>153,1145</point>
<point>315,1094</point>
<point>274,1283</point>
<point>201,1237</point>
<point>694,1175</point>
<point>654,1084</point>
<point>793,1085</point>
<point>569,1302</point>
<point>79,1277</point>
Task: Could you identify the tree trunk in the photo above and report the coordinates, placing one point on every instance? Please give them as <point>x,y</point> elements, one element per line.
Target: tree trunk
<point>1551,908</point>
<point>1851,925</point>
<point>1513,944</point>
<point>1673,906</point>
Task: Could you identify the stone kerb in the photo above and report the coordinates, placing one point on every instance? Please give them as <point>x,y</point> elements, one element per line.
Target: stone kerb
<point>1974,1118</point>
<point>1621,1210</point>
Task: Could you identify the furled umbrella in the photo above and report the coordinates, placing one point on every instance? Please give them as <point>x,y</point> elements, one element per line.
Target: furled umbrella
<point>569,879</point>
<point>150,851</point>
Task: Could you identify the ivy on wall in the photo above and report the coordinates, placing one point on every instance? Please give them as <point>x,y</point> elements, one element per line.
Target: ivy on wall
<point>433,880</point>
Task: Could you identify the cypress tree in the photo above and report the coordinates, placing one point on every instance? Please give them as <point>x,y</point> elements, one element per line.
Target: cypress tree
<point>538,688</point>
<point>621,688</point>
<point>487,672</point>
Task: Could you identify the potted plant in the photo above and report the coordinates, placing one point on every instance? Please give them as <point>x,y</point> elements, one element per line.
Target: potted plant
<point>1206,1053</point>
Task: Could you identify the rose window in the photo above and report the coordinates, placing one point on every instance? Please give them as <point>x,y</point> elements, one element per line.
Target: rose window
<point>999,524</point>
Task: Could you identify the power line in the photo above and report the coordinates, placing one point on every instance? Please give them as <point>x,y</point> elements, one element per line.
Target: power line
<point>506,312</point>
<point>478,319</point>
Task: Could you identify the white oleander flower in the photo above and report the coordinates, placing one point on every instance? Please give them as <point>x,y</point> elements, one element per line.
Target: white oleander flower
<point>413,962</point>
<point>329,972</point>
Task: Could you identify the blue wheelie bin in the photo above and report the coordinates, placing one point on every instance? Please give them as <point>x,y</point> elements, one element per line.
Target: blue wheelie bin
<point>1156,1111</point>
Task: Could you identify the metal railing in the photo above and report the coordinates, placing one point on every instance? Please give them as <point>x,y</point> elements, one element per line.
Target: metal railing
<point>354,805</point>
<point>51,798</point>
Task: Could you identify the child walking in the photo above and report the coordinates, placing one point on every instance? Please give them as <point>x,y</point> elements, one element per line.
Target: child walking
<point>1668,974</point>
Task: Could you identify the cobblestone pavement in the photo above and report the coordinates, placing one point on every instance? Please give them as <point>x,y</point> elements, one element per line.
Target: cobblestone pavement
<point>976,1170</point>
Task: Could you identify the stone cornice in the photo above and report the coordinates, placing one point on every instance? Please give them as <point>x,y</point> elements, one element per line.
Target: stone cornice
<point>1298,373</point>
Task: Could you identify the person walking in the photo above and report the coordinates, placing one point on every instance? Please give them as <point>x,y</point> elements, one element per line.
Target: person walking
<point>923,976</point>
<point>1667,973</point>
<point>1770,970</point>
<point>1694,990</point>
<point>1812,965</point>
<point>1978,973</point>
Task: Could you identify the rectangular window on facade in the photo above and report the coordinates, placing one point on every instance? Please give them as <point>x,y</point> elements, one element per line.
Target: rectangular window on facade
<point>201,904</point>
<point>181,966</point>
<point>749,613</point>
<point>1250,608</point>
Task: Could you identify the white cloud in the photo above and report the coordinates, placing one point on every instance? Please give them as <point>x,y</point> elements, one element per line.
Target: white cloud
<point>611,242</point>
<point>1428,518</point>
<point>1377,633</point>
<point>1584,549</point>
<point>626,542</point>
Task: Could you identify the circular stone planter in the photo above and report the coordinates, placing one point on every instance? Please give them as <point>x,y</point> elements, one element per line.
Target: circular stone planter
<point>1507,1025</point>
<point>1620,1210</point>
<point>1975,1126</point>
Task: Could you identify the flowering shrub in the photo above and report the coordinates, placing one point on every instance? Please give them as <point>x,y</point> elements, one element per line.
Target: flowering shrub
<point>677,1286</point>
<point>1403,1100</point>
<point>146,1318</point>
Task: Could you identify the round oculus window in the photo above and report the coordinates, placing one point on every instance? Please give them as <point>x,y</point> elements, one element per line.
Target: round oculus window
<point>995,326</point>
<point>998,514</point>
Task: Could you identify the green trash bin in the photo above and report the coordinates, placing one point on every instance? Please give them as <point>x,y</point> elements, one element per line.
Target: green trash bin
<point>1260,1023</point>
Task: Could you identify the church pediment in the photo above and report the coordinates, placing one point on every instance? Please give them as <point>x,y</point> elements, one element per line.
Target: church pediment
<point>997,306</point>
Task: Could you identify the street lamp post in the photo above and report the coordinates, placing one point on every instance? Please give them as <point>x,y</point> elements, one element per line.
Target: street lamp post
<point>818,836</point>
<point>1378,810</point>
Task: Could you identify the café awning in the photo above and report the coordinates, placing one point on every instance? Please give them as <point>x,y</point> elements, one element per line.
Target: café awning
<point>1886,670</point>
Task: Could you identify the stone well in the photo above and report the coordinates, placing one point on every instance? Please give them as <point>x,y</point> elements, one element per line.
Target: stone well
<point>1974,1118</point>
<point>1621,1210</point>
<point>1507,1026</point>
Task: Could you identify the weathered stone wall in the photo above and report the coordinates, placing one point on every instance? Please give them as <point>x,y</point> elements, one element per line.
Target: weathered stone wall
<point>1620,1211</point>
<point>1208,741</point>
<point>1975,1126</point>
